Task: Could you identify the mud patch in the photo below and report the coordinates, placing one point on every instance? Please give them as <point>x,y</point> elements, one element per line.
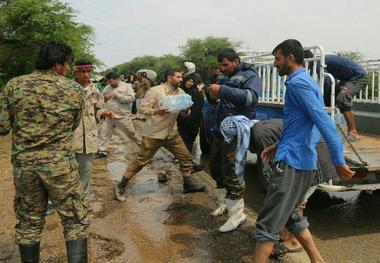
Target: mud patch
<point>106,248</point>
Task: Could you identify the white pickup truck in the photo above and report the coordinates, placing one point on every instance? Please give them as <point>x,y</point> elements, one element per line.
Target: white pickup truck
<point>364,155</point>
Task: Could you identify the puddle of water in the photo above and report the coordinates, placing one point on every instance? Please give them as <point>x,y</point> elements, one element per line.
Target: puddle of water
<point>116,169</point>
<point>347,197</point>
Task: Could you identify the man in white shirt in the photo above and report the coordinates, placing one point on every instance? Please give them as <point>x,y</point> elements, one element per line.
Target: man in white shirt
<point>119,97</point>
<point>160,130</point>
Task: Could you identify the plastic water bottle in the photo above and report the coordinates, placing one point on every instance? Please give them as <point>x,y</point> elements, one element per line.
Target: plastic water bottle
<point>176,103</point>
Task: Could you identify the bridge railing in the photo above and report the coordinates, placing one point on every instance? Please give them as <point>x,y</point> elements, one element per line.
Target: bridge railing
<point>273,85</point>
<point>371,93</point>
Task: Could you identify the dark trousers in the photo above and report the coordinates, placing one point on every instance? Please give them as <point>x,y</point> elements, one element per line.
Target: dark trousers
<point>286,190</point>
<point>222,168</point>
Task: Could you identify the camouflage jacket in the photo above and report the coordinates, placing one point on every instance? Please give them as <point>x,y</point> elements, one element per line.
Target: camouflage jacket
<point>86,135</point>
<point>42,109</point>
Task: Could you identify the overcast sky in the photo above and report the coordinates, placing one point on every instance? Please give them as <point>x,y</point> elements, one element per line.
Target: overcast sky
<point>129,28</point>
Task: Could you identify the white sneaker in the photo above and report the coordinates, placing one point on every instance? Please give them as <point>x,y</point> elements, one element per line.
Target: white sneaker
<point>119,196</point>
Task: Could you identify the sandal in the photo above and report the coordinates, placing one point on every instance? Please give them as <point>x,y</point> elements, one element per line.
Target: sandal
<point>279,250</point>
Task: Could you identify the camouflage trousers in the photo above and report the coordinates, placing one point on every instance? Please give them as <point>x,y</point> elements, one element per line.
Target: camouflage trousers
<point>34,185</point>
<point>150,146</point>
<point>222,165</point>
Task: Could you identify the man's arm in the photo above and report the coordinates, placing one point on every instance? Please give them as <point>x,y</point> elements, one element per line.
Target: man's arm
<point>78,107</point>
<point>307,100</point>
<point>245,96</point>
<point>147,103</point>
<point>100,109</point>
<point>126,95</point>
<point>5,113</point>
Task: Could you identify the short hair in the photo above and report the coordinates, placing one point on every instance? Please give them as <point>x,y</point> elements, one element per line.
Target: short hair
<point>169,73</point>
<point>308,54</point>
<point>52,53</point>
<point>82,61</point>
<point>112,75</point>
<point>229,54</point>
<point>291,47</point>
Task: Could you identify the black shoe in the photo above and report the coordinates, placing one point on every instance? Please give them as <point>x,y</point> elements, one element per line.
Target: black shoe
<point>100,155</point>
<point>191,186</point>
<point>30,253</point>
<point>77,251</point>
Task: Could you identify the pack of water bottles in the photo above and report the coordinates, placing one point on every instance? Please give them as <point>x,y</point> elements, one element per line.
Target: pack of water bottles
<point>176,103</point>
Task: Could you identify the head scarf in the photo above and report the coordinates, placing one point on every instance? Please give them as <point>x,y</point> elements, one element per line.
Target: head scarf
<point>85,67</point>
<point>190,68</point>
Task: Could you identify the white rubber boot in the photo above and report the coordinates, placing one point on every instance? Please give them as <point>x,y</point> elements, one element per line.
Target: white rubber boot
<point>222,208</point>
<point>235,213</point>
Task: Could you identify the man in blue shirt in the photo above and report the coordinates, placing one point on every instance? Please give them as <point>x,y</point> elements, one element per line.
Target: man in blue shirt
<point>294,158</point>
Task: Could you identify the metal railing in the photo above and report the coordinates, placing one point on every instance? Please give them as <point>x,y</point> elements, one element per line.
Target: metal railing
<point>371,93</point>
<point>273,85</point>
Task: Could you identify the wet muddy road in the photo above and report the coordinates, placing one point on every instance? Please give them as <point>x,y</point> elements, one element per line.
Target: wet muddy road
<point>345,226</point>
<point>160,224</point>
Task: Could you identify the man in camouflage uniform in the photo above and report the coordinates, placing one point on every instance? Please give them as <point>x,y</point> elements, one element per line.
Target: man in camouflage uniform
<point>86,135</point>
<point>43,109</point>
<point>141,86</point>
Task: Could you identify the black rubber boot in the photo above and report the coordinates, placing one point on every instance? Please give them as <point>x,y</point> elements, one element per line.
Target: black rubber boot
<point>30,253</point>
<point>77,251</point>
<point>191,186</point>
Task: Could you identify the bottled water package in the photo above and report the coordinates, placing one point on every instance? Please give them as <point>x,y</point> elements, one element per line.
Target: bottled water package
<point>175,103</point>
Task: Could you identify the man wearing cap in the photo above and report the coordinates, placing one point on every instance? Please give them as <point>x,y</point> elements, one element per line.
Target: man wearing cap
<point>141,86</point>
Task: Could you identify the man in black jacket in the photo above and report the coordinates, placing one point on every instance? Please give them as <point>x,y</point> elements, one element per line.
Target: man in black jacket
<point>235,93</point>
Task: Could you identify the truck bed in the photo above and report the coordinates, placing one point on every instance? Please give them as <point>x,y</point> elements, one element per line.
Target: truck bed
<point>369,150</point>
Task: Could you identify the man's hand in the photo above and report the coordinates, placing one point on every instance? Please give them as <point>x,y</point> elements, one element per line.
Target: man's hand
<point>268,153</point>
<point>108,96</point>
<point>109,114</point>
<point>160,111</point>
<point>201,87</point>
<point>344,172</point>
<point>214,91</point>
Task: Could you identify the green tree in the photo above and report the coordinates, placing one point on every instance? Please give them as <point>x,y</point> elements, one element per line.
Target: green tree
<point>203,53</point>
<point>158,64</point>
<point>26,24</point>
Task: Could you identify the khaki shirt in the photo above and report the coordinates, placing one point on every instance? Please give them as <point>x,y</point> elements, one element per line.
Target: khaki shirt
<point>86,135</point>
<point>121,103</point>
<point>159,126</point>
<point>141,87</point>
<point>42,109</point>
